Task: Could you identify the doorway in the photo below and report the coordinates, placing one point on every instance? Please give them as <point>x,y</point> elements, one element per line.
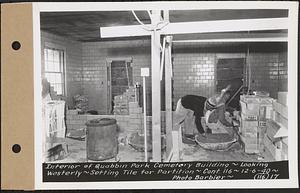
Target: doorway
<point>119,78</point>
<point>230,71</point>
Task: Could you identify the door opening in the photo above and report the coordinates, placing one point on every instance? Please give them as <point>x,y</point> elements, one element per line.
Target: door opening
<point>230,71</point>
<point>119,75</point>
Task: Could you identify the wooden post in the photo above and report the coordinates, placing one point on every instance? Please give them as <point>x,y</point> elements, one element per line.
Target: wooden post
<point>155,77</point>
<point>168,95</point>
<point>145,118</point>
<point>144,74</point>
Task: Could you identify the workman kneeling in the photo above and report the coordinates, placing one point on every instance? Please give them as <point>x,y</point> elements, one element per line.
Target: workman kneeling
<point>209,114</point>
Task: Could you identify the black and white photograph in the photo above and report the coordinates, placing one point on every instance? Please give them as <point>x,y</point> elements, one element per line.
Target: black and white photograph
<point>194,94</point>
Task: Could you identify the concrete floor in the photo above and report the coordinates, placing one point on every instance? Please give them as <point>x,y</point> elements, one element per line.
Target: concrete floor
<point>191,152</point>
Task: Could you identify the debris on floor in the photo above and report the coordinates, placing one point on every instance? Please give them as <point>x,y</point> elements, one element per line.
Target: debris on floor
<point>57,152</point>
<point>136,141</point>
<point>79,134</point>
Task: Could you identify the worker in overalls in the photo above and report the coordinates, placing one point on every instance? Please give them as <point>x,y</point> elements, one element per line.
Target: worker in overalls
<point>207,112</point>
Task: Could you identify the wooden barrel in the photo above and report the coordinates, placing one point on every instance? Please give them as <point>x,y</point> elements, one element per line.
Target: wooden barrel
<point>101,139</point>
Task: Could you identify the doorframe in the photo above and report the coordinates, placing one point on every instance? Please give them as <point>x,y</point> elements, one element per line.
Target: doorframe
<point>108,79</point>
<point>226,56</point>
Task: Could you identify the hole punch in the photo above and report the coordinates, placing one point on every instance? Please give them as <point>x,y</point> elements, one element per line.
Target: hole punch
<point>16,148</point>
<point>16,45</point>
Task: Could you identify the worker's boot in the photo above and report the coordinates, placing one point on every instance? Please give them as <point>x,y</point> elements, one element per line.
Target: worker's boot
<point>190,139</point>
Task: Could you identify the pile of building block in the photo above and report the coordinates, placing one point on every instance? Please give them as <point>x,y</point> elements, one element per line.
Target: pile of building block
<point>255,110</point>
<point>276,138</point>
<point>136,117</point>
<point>121,102</point>
<point>81,102</point>
<point>120,105</point>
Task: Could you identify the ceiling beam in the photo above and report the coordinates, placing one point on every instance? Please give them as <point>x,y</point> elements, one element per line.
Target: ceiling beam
<point>124,31</point>
<point>265,39</point>
<point>199,27</point>
<point>230,35</point>
<point>226,26</point>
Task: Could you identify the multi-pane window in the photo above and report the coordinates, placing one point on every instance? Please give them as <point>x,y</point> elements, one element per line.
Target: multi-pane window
<point>54,69</point>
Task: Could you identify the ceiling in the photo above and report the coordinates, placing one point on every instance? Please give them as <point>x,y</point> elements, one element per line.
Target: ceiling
<point>85,26</point>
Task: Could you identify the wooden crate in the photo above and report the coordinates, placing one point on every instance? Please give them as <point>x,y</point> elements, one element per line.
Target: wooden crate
<point>283,98</point>
<point>278,150</point>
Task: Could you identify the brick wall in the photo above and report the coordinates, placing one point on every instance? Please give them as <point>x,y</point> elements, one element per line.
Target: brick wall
<point>283,72</point>
<point>194,73</point>
<point>194,67</point>
<point>73,62</point>
<point>269,72</point>
<point>127,124</point>
<point>94,57</point>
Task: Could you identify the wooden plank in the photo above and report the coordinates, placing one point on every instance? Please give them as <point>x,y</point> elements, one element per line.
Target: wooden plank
<point>176,153</point>
<point>145,119</point>
<point>234,35</point>
<point>168,96</point>
<point>155,80</point>
<point>175,150</point>
<point>226,26</point>
<point>199,27</point>
<point>124,31</point>
<point>282,98</point>
<point>275,152</point>
<point>281,109</point>
<point>272,128</point>
<point>280,119</point>
<point>266,39</point>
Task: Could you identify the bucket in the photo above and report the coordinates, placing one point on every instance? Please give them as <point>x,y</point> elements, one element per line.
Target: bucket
<point>101,139</point>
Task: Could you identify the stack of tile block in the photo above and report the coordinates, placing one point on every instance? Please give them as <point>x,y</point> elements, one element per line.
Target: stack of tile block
<point>81,102</point>
<point>131,94</point>
<point>121,102</point>
<point>276,139</point>
<point>255,110</point>
<point>121,105</point>
<point>136,117</point>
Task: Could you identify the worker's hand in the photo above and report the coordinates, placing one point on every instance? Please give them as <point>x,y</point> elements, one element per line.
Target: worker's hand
<point>226,89</point>
<point>228,118</point>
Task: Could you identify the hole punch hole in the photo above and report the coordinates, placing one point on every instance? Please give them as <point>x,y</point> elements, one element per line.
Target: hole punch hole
<point>16,148</point>
<point>16,45</point>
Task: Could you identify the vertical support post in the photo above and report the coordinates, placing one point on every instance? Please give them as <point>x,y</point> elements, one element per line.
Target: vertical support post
<point>145,118</point>
<point>155,79</point>
<point>144,73</point>
<point>168,95</point>
<point>166,16</point>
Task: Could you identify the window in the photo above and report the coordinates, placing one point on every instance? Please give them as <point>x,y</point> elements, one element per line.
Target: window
<point>54,69</point>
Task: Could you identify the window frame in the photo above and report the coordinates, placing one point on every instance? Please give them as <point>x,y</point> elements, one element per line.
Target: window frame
<point>58,47</point>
